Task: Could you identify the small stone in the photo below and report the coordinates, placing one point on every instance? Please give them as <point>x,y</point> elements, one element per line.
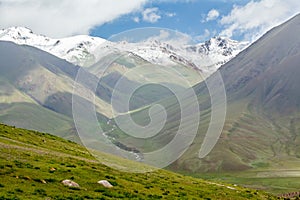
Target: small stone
<point>52,169</point>
<point>70,183</point>
<point>105,183</point>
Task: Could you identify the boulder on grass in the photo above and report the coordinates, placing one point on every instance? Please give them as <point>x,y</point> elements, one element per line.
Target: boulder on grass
<point>52,169</point>
<point>105,183</point>
<point>70,183</point>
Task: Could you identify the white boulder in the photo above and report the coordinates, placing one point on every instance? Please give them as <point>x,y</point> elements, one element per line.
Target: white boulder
<point>70,183</point>
<point>105,183</point>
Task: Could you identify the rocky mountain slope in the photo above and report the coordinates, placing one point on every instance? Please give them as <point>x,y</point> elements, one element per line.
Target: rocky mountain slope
<point>263,95</point>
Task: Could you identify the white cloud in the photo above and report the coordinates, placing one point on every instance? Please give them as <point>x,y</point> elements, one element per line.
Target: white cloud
<point>150,15</point>
<point>60,18</point>
<point>136,19</point>
<point>204,36</point>
<point>171,37</point>
<point>212,15</point>
<point>170,14</point>
<point>257,17</point>
<point>172,1</point>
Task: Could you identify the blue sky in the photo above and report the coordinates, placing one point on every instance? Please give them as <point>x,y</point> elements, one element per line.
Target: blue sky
<point>188,17</point>
<point>201,19</point>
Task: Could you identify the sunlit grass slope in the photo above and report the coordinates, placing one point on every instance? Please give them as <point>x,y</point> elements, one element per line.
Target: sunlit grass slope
<point>27,157</point>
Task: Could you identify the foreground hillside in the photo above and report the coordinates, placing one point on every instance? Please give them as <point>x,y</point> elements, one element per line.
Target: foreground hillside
<point>34,164</point>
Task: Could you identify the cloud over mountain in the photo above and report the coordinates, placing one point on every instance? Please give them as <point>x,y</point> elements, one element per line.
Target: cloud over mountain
<point>60,18</point>
<point>151,15</point>
<point>256,17</point>
<point>212,15</point>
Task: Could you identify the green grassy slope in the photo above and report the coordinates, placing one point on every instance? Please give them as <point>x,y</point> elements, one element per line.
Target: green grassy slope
<point>27,114</point>
<point>27,156</point>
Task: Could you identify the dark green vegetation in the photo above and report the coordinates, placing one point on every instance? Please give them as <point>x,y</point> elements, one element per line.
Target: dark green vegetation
<point>28,156</point>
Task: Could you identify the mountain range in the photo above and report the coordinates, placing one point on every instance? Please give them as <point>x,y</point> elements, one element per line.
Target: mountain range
<point>83,50</point>
<point>41,83</point>
<point>261,130</point>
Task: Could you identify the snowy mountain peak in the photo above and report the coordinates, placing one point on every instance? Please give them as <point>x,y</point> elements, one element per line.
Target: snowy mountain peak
<point>22,35</point>
<point>224,46</point>
<point>17,31</point>
<point>81,49</point>
<point>77,49</point>
<point>207,56</point>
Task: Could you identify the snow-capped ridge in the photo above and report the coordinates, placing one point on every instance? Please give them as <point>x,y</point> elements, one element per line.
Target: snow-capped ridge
<point>207,56</point>
<point>76,49</point>
<point>84,50</point>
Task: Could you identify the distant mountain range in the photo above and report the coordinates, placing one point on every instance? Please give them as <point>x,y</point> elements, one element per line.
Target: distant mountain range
<point>82,49</point>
